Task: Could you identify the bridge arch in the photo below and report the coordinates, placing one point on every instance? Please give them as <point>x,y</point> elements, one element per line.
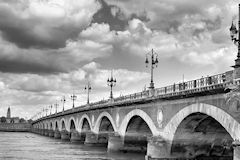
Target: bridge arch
<point>143,115</point>
<point>56,125</point>
<point>99,119</point>
<point>83,117</point>
<point>63,124</point>
<point>221,116</point>
<point>72,125</point>
<point>51,125</point>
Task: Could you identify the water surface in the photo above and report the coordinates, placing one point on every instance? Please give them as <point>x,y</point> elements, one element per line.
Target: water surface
<point>29,146</point>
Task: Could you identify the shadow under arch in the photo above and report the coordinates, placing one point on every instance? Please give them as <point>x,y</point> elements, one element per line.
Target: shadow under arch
<point>56,126</point>
<point>84,118</point>
<point>51,125</point>
<point>146,118</point>
<point>99,121</point>
<point>226,120</point>
<point>71,124</point>
<point>63,124</point>
<point>200,136</point>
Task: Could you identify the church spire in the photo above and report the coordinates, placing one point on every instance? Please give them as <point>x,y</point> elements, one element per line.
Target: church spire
<point>9,113</point>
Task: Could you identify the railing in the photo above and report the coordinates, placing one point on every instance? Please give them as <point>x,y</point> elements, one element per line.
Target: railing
<point>193,84</point>
<point>175,88</point>
<point>204,82</point>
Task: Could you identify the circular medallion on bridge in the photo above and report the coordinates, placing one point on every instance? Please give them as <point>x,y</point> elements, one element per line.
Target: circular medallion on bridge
<point>160,117</point>
<point>233,101</point>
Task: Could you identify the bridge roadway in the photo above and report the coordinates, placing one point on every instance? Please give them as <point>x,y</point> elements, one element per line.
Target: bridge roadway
<point>185,120</point>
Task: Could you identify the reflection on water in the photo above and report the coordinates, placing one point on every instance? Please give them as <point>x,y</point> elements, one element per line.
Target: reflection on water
<point>28,146</point>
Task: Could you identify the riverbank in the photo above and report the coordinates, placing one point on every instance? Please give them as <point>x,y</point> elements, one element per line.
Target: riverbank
<point>15,127</point>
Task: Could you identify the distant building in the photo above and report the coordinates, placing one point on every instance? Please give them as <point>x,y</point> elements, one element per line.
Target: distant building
<point>13,119</point>
<point>9,113</point>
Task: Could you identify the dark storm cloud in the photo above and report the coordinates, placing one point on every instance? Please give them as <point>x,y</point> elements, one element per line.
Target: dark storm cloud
<point>21,32</point>
<point>27,67</point>
<point>26,25</point>
<point>104,15</point>
<point>115,17</point>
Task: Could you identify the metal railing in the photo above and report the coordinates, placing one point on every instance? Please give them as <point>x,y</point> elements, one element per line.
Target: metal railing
<point>207,83</point>
<point>193,84</point>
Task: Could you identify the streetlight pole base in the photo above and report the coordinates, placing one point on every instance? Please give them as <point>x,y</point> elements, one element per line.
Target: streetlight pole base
<point>111,100</point>
<point>151,86</point>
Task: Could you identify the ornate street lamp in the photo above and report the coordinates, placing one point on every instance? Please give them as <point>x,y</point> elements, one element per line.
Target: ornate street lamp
<point>56,106</point>
<point>42,113</point>
<point>111,82</point>
<point>46,111</point>
<point>63,100</point>
<point>154,61</point>
<point>73,98</point>
<point>235,36</point>
<point>88,89</point>
<point>50,108</point>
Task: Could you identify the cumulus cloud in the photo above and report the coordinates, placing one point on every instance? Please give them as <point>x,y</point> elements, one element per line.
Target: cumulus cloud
<point>51,48</point>
<point>50,61</point>
<point>30,89</point>
<point>44,24</point>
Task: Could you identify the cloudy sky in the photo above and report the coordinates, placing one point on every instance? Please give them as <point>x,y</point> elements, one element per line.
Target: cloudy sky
<point>51,48</point>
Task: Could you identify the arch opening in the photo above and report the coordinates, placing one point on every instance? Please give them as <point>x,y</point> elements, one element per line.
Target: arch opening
<point>72,125</point>
<point>63,125</point>
<point>105,129</point>
<point>105,125</point>
<point>136,135</point>
<point>56,126</point>
<point>85,128</point>
<point>51,126</point>
<point>85,125</point>
<point>200,136</point>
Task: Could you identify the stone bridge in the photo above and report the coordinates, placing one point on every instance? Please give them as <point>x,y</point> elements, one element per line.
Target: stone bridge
<point>192,119</point>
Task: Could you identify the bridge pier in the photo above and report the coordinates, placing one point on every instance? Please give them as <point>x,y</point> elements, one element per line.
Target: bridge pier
<point>46,132</point>
<point>75,136</point>
<point>91,139</point>
<point>42,132</point>
<point>115,143</point>
<point>100,139</point>
<point>51,133</point>
<point>57,134</point>
<point>65,135</point>
<point>236,150</point>
<point>157,148</point>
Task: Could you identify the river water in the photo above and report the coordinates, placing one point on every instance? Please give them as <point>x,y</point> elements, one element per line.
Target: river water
<point>29,146</point>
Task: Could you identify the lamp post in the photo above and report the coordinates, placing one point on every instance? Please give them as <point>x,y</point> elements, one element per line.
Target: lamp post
<point>111,82</point>
<point>56,106</point>
<point>73,98</point>
<point>42,113</point>
<point>88,89</point>
<point>46,112</point>
<point>154,61</point>
<point>235,36</point>
<point>63,100</point>
<point>50,108</point>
